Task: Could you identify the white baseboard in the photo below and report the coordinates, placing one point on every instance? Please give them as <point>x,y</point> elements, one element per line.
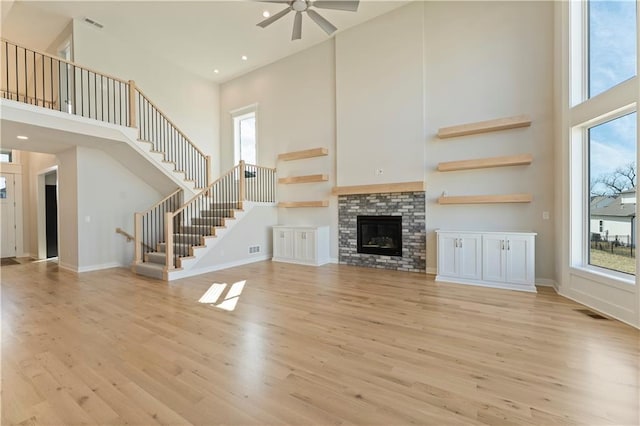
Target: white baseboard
<point>66,267</point>
<point>504,286</point>
<point>334,260</point>
<point>191,272</point>
<point>99,267</point>
<point>89,268</point>
<point>546,282</point>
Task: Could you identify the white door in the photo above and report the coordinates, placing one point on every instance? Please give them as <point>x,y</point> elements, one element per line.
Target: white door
<point>283,243</point>
<point>8,215</point>
<point>470,256</point>
<point>305,246</point>
<point>447,247</point>
<point>519,271</point>
<point>493,255</point>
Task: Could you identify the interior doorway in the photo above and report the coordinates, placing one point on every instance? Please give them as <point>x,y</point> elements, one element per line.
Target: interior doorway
<point>51,213</point>
<point>47,211</point>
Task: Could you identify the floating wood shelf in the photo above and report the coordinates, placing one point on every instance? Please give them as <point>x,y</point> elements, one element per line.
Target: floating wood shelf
<point>299,155</point>
<point>486,199</point>
<point>485,126</point>
<point>485,163</point>
<point>304,179</point>
<point>383,188</point>
<point>293,204</point>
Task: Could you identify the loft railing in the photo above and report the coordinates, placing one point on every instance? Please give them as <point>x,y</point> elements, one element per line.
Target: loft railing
<point>156,128</point>
<point>209,208</point>
<point>149,225</point>
<point>37,78</point>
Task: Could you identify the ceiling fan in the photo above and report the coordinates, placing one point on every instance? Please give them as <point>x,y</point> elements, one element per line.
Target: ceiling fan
<point>300,6</point>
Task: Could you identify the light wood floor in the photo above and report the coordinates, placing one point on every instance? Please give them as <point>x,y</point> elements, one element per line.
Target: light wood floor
<point>305,345</point>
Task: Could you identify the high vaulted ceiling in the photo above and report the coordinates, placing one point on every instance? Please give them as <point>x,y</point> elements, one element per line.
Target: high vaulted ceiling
<point>200,36</point>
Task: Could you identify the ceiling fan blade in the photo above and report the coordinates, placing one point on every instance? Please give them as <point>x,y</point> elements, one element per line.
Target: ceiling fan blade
<point>297,27</point>
<point>323,23</point>
<point>274,18</point>
<point>348,5</point>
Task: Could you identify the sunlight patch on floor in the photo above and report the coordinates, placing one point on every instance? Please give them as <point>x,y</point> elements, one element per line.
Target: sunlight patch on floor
<point>213,294</point>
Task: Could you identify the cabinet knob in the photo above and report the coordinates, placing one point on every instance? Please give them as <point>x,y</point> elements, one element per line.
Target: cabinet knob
<point>508,245</point>
<point>460,239</point>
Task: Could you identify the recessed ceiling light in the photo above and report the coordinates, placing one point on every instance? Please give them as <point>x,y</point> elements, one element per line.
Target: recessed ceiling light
<point>216,71</point>
<point>24,138</point>
<point>266,14</point>
<point>244,57</point>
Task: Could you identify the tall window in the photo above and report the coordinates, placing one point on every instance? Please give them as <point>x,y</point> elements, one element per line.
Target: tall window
<point>244,125</point>
<point>604,137</point>
<point>612,186</point>
<point>612,43</point>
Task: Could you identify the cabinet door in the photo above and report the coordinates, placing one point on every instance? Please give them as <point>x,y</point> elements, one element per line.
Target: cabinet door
<point>470,256</point>
<point>305,246</point>
<point>493,258</point>
<point>447,248</point>
<point>283,243</point>
<point>519,260</point>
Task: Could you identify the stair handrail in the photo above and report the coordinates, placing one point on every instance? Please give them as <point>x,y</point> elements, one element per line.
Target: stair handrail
<point>138,230</point>
<point>84,90</point>
<point>234,184</point>
<point>57,58</point>
<point>155,127</point>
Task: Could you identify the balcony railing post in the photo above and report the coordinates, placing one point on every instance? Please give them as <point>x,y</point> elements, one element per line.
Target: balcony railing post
<point>241,190</point>
<point>209,171</point>
<point>132,103</point>
<point>168,251</point>
<point>137,233</point>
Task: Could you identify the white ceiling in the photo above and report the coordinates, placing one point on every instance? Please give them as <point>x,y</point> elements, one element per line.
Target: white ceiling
<point>197,35</point>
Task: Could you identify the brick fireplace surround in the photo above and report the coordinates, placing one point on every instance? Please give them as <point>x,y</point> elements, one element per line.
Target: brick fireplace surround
<point>409,205</point>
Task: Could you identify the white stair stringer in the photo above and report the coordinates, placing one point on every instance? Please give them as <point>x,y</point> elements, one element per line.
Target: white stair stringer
<point>229,247</point>
<point>62,131</point>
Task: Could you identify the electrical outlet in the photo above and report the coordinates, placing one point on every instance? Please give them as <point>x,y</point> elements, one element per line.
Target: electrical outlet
<point>379,172</point>
<point>254,249</point>
<point>545,215</point>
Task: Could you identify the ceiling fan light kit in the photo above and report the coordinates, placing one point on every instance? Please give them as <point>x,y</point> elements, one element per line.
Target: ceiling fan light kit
<point>300,6</point>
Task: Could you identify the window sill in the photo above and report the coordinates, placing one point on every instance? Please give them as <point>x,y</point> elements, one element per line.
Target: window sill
<point>615,279</point>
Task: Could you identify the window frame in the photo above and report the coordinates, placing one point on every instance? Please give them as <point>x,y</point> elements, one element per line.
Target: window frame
<point>236,117</point>
<point>585,113</point>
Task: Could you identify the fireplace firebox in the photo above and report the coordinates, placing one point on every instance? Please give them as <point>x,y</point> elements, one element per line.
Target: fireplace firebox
<point>380,235</point>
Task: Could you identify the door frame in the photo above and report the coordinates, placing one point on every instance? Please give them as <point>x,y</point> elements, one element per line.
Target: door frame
<point>42,212</point>
<point>15,168</point>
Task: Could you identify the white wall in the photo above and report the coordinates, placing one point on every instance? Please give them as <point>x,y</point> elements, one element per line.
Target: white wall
<point>488,60</point>
<point>398,78</point>
<point>33,164</point>
<point>190,101</point>
<point>379,99</point>
<point>68,248</point>
<point>296,111</point>
<point>108,196</point>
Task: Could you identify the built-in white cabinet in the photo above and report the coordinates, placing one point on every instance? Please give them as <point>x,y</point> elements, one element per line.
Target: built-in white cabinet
<point>307,245</point>
<point>493,259</point>
<point>461,255</point>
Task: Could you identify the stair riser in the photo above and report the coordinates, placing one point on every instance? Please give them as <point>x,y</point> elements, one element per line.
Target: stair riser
<point>217,213</point>
<point>226,206</point>
<point>188,239</point>
<point>208,221</point>
<point>200,230</point>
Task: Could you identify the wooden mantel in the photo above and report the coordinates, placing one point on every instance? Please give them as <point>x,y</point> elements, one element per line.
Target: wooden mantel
<point>383,188</point>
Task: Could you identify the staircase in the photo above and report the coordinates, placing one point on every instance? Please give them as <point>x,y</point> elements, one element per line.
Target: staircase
<point>190,240</point>
<point>173,238</point>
